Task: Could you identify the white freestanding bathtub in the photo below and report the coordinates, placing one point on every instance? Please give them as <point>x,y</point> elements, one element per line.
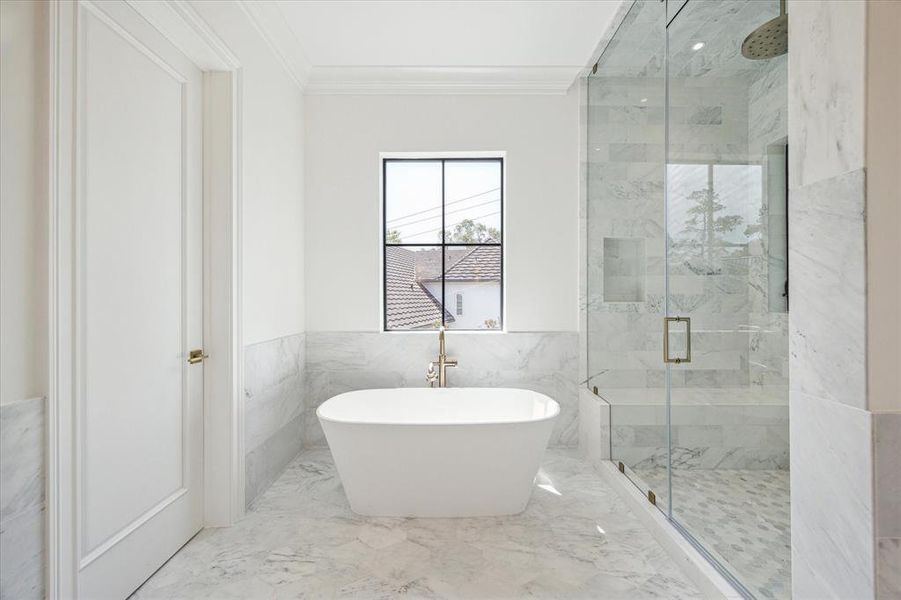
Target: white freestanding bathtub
<point>447,452</point>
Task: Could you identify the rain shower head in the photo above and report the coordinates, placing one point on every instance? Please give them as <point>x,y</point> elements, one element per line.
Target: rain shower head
<point>769,40</point>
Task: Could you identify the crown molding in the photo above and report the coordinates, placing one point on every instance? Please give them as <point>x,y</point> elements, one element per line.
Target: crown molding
<point>405,80</point>
<point>269,21</point>
<point>180,23</point>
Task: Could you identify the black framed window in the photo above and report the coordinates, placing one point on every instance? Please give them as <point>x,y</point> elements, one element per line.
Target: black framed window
<point>443,238</point>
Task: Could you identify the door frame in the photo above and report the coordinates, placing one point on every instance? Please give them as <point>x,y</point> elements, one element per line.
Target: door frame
<point>223,400</point>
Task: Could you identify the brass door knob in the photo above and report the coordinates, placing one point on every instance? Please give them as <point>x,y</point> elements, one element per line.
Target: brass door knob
<point>196,356</point>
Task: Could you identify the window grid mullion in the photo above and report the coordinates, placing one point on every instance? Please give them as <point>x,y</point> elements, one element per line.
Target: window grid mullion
<point>444,243</point>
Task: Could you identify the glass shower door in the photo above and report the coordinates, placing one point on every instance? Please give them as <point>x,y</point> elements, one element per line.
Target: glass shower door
<point>726,248</point>
<point>626,244</point>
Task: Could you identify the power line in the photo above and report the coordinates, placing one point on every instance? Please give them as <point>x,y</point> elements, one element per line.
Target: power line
<point>439,229</point>
<point>450,212</point>
<point>446,204</point>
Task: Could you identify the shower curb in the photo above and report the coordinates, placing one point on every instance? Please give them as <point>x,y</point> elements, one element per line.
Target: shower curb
<point>709,581</point>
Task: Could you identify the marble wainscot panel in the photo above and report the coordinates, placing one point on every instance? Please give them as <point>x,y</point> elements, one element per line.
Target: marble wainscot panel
<point>594,427</point>
<point>832,499</point>
<point>545,362</point>
<point>22,499</point>
<point>827,98</point>
<point>833,544</point>
<point>828,286</point>
<point>273,409</point>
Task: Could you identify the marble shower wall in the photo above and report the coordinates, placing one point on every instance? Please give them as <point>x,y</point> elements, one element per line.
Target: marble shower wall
<point>624,163</point>
<point>709,275</point>
<point>274,387</point>
<point>768,253</point>
<point>718,115</point>
<point>712,436</point>
<point>841,450</point>
<point>724,111</point>
<point>344,361</point>
<point>22,499</point>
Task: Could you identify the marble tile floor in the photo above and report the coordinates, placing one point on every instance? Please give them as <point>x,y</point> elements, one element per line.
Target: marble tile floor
<point>576,539</point>
<point>741,516</point>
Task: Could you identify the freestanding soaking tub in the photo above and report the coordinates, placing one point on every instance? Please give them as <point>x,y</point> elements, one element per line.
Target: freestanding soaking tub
<point>447,452</point>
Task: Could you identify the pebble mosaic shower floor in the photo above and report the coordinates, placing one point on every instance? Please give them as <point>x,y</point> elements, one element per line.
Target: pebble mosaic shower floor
<point>740,515</point>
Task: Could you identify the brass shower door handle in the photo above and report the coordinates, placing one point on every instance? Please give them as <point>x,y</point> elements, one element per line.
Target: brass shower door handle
<point>678,359</point>
<point>196,356</point>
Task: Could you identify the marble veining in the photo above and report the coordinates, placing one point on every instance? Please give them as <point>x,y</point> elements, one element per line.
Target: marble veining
<point>832,499</point>
<point>712,428</point>
<point>545,362</point>
<point>711,120</point>
<point>728,423</point>
<point>576,539</point>
<point>21,456</point>
<point>22,555</point>
<point>828,287</point>
<point>22,499</point>
<point>827,106</point>
<point>274,387</point>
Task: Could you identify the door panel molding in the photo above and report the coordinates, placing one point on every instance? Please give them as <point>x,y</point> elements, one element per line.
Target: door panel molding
<point>130,528</point>
<point>87,16</point>
<point>223,456</point>
<point>125,35</point>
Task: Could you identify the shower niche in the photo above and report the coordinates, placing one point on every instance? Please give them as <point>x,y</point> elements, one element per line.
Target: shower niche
<point>686,219</point>
<point>624,269</point>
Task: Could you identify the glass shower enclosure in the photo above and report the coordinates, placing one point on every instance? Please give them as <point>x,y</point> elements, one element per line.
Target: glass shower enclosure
<point>687,307</point>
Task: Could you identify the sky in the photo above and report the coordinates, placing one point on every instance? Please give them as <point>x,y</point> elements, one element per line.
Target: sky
<point>413,197</point>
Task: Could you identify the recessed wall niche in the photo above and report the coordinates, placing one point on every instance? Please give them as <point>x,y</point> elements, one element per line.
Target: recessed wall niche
<point>624,269</point>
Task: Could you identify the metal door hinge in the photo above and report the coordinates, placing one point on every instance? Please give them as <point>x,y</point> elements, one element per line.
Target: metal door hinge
<point>621,467</point>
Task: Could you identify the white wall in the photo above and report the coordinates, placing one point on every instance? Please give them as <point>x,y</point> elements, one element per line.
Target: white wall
<point>272,192</point>
<point>272,177</point>
<point>344,136</point>
<point>23,200</point>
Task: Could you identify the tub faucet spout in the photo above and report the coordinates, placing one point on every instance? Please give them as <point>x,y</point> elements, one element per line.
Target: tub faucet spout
<point>439,374</point>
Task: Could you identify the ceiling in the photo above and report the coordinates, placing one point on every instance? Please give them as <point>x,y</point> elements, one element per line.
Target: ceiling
<point>382,46</point>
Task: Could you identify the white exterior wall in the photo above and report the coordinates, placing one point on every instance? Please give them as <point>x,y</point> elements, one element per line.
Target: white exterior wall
<point>481,301</point>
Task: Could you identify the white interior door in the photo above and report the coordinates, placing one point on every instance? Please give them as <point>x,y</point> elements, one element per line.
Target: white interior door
<point>138,286</point>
